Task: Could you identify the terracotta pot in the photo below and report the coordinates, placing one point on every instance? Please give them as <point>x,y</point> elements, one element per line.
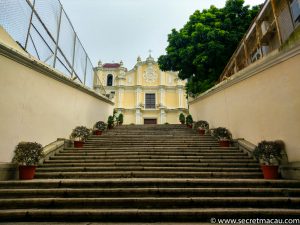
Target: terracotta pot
<point>98,132</point>
<point>270,172</point>
<point>26,172</point>
<point>201,132</point>
<point>78,144</point>
<point>190,126</point>
<point>224,143</point>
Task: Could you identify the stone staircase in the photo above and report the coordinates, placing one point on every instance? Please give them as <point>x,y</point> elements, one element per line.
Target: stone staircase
<point>150,173</point>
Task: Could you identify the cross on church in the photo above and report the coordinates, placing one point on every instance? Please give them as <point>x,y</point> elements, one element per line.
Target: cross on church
<point>150,52</point>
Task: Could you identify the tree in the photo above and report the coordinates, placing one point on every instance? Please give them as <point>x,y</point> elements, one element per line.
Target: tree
<point>201,49</point>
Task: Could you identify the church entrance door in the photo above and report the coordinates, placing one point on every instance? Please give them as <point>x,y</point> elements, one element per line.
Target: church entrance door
<point>150,121</point>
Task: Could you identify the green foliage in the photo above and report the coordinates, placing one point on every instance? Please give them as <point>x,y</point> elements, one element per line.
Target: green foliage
<point>202,124</point>
<point>201,49</point>
<point>28,153</point>
<point>110,121</point>
<point>182,118</point>
<point>268,151</point>
<point>222,133</point>
<point>120,118</point>
<point>81,133</point>
<point>100,125</point>
<point>189,120</point>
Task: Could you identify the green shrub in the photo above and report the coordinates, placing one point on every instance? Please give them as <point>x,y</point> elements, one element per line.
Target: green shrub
<point>268,151</point>
<point>189,120</point>
<point>120,118</point>
<point>222,133</point>
<point>202,124</point>
<point>28,153</point>
<point>100,125</point>
<point>182,118</point>
<point>110,122</point>
<point>81,133</point>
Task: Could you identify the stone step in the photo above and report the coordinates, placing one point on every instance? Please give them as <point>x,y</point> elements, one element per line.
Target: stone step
<point>150,137</point>
<point>80,160</point>
<point>139,164</point>
<point>144,215</point>
<point>150,182</point>
<point>124,157</point>
<point>146,174</point>
<point>140,145</point>
<point>126,192</point>
<point>100,142</point>
<point>114,168</point>
<point>156,149</point>
<point>151,203</point>
<point>147,153</point>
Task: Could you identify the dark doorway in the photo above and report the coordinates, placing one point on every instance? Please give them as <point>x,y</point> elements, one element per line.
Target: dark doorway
<point>150,121</point>
<point>109,80</point>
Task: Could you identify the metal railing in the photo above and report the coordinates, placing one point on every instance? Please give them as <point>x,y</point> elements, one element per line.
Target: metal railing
<point>44,30</point>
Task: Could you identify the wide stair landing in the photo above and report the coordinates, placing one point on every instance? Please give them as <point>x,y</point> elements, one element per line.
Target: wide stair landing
<point>150,173</point>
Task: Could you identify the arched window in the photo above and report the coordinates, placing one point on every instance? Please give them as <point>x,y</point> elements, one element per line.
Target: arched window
<point>109,80</point>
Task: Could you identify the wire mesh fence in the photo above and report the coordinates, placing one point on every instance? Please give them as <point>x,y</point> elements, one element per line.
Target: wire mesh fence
<point>44,30</point>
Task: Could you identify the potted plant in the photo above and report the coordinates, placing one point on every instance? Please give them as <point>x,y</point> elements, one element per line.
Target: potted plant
<point>120,119</point>
<point>201,126</point>
<point>27,155</point>
<point>99,127</point>
<point>110,122</point>
<point>189,121</point>
<point>79,135</point>
<point>223,135</point>
<point>181,118</point>
<point>269,155</point>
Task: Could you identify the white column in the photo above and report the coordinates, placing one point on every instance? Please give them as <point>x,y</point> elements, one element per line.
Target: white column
<point>138,116</point>
<point>120,96</point>
<point>180,95</point>
<point>139,75</point>
<point>137,92</point>
<point>162,96</point>
<point>163,115</point>
<point>162,78</point>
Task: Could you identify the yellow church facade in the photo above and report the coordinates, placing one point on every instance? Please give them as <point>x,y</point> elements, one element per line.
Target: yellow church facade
<point>145,94</point>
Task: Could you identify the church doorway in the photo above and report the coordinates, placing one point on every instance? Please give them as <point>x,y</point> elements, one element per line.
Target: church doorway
<point>150,121</point>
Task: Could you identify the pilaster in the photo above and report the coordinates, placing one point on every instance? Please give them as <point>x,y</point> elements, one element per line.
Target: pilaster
<point>138,92</point>
<point>163,116</point>
<point>162,95</point>
<point>138,116</point>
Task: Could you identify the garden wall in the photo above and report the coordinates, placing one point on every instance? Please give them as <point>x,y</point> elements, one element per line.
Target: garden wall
<point>261,102</point>
<point>39,104</point>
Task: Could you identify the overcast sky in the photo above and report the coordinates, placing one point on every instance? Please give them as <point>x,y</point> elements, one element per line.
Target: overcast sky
<point>114,30</point>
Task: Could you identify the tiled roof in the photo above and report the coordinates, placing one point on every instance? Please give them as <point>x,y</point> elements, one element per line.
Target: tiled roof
<point>111,65</point>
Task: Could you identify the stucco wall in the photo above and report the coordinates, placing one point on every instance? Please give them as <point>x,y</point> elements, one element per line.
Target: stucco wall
<point>260,103</point>
<point>36,107</point>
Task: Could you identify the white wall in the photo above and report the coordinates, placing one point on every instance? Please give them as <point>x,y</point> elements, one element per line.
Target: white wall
<point>260,103</point>
<point>37,107</point>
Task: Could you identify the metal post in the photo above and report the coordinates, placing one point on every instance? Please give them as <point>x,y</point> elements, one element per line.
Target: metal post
<point>86,59</point>
<point>276,21</point>
<point>73,60</point>
<point>57,36</point>
<point>30,22</point>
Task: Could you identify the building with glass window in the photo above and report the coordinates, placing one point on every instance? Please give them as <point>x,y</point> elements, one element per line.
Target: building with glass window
<point>145,94</point>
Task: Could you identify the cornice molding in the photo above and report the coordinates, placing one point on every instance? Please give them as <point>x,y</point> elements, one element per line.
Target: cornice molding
<point>37,65</point>
<point>273,59</point>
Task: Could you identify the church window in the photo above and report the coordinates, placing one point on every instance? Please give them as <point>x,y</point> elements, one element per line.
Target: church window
<point>109,80</point>
<point>150,101</point>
